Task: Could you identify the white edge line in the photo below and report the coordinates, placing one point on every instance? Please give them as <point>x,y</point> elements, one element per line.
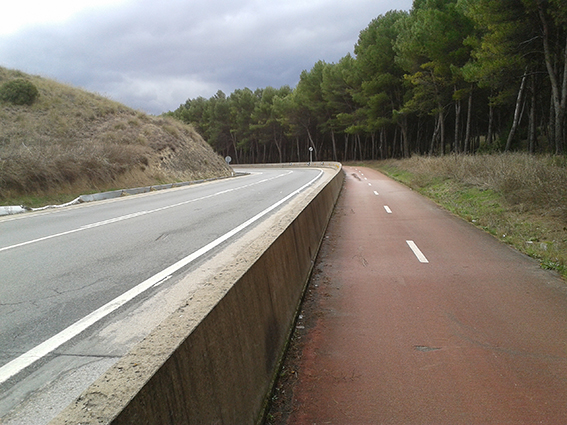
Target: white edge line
<point>417,252</point>
<point>27,359</point>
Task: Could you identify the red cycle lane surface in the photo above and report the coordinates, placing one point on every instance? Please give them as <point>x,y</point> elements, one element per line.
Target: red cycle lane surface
<point>475,335</point>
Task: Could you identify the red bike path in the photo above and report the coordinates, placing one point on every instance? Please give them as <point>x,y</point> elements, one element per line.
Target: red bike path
<point>418,317</point>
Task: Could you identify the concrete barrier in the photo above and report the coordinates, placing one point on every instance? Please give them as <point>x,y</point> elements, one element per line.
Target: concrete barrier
<point>214,361</point>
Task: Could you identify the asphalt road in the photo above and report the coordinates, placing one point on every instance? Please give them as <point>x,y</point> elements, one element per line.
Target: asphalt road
<point>415,316</point>
<point>61,266</point>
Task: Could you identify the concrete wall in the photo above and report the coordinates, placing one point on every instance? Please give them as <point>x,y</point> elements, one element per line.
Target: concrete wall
<point>217,368</point>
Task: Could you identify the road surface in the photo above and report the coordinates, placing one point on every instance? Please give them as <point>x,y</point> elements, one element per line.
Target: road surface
<point>71,274</point>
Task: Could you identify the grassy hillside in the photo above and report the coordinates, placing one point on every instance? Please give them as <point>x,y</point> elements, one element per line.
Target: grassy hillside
<point>519,198</point>
<point>69,141</point>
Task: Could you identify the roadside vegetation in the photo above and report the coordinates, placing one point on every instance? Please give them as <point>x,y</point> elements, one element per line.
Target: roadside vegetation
<point>519,198</point>
<point>57,142</point>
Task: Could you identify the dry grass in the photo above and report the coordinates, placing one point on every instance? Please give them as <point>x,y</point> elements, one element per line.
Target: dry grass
<point>519,198</point>
<point>72,141</point>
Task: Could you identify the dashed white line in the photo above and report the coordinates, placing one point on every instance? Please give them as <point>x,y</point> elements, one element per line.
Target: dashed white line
<point>417,252</point>
<point>387,208</point>
<point>369,184</point>
<point>375,193</point>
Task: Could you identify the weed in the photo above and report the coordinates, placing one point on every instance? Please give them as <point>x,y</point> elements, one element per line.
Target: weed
<point>19,92</point>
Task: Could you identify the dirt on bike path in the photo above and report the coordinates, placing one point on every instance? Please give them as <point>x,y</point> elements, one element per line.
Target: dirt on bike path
<point>414,316</point>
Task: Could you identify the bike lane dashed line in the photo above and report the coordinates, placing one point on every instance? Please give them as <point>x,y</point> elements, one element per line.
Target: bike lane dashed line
<point>411,244</point>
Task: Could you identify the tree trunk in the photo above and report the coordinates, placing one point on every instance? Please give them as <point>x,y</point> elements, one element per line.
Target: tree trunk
<point>435,134</point>
<point>551,125</point>
<point>278,144</point>
<point>457,142</point>
<point>516,114</point>
<point>234,145</point>
<point>381,145</point>
<point>405,141</point>
<point>559,94</point>
<point>468,128</point>
<point>442,130</point>
<point>312,143</point>
<point>490,124</point>
<point>532,122</point>
<point>420,146</point>
<point>279,148</point>
<point>334,146</point>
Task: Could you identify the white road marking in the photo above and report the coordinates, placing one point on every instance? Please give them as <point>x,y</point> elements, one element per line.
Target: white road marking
<point>417,252</point>
<point>387,208</point>
<point>137,214</point>
<point>369,184</point>
<point>375,193</point>
<point>20,363</point>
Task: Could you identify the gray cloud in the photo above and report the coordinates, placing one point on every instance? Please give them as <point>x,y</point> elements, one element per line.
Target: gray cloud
<point>154,54</point>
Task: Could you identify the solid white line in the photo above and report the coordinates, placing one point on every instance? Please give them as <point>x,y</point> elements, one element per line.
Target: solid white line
<point>375,193</point>
<point>137,214</point>
<point>387,208</point>
<point>417,252</point>
<point>20,363</point>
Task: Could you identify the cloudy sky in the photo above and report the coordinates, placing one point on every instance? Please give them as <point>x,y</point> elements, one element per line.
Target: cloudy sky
<point>153,55</point>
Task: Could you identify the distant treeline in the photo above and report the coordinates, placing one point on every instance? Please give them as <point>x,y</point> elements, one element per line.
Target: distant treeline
<point>459,76</point>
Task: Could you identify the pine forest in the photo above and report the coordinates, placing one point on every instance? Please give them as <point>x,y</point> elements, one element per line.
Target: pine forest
<point>449,76</point>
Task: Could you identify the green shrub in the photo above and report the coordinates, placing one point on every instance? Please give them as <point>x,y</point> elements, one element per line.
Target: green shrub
<point>19,92</point>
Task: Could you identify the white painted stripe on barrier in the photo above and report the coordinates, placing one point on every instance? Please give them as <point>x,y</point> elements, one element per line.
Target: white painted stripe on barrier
<point>27,359</point>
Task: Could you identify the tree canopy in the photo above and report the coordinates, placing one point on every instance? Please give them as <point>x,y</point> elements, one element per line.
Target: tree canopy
<point>447,76</point>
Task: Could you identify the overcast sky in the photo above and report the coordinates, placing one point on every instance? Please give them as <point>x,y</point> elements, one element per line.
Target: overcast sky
<point>153,55</point>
